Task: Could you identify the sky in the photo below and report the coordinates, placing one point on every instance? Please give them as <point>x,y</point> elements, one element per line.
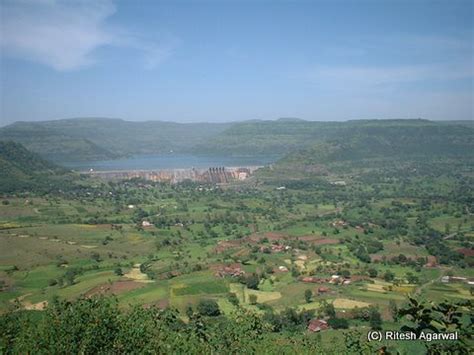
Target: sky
<point>215,61</point>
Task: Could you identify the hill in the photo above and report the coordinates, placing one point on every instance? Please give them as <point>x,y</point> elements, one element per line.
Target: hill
<point>20,169</point>
<point>100,138</point>
<point>287,136</point>
<point>392,142</point>
<point>103,138</point>
<point>394,147</point>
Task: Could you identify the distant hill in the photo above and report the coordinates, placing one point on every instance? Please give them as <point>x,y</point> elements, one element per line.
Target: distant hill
<point>103,138</point>
<point>100,138</point>
<point>20,169</point>
<point>366,144</point>
<point>285,136</point>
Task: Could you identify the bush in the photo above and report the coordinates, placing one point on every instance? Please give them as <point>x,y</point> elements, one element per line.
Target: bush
<point>373,273</point>
<point>232,298</point>
<point>338,323</point>
<point>252,282</point>
<point>253,299</point>
<point>208,308</point>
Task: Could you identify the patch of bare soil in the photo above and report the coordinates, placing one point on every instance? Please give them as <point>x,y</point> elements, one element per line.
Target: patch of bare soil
<point>114,288</point>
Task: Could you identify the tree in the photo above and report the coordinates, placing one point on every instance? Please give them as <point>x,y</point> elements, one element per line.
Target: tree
<point>375,319</point>
<point>373,273</point>
<point>346,274</point>
<point>412,279</point>
<point>70,275</point>
<point>392,306</point>
<point>438,318</point>
<point>447,228</point>
<point>189,311</point>
<point>232,298</point>
<point>253,299</point>
<point>208,308</point>
<point>338,323</point>
<point>389,276</point>
<point>252,281</point>
<point>308,295</point>
<point>118,271</point>
<point>328,309</point>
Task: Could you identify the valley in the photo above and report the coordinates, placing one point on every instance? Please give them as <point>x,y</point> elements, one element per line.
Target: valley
<point>317,235</point>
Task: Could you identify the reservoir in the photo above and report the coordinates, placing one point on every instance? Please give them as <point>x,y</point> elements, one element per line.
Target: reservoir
<point>170,161</point>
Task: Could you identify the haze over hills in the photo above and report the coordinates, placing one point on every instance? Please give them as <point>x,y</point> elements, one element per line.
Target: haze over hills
<point>106,138</point>
<point>90,139</point>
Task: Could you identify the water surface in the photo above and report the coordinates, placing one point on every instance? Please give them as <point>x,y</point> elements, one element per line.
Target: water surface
<point>169,161</point>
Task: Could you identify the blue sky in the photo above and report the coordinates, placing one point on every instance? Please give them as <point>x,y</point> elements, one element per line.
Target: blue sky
<point>234,60</point>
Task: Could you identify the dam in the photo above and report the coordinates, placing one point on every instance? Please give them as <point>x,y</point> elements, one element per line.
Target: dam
<point>213,175</point>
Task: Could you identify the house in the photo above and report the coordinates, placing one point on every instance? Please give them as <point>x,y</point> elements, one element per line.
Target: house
<point>146,224</point>
<point>339,223</point>
<point>276,248</point>
<point>233,270</point>
<point>323,289</point>
<point>311,279</point>
<point>316,325</point>
<point>445,279</point>
<point>431,261</point>
<point>282,269</point>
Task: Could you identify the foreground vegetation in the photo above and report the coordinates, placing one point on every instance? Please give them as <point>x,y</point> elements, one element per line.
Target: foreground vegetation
<point>98,325</point>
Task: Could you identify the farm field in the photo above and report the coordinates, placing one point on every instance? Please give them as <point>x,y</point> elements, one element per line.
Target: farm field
<point>57,246</point>
<point>286,256</point>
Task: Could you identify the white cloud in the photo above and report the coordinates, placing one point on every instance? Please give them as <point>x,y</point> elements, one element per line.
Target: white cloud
<point>63,34</point>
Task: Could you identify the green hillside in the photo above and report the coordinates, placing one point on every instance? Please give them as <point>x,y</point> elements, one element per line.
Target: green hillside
<point>367,137</point>
<point>20,169</point>
<point>391,142</point>
<point>102,138</point>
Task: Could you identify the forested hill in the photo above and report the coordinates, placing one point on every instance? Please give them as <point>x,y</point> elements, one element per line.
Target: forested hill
<point>397,142</point>
<point>20,169</point>
<point>344,140</point>
<point>100,138</point>
<point>104,138</point>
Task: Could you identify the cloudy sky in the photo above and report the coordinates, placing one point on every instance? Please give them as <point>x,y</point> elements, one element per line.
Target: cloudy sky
<point>233,60</point>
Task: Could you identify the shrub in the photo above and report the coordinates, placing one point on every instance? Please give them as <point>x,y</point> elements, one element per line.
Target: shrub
<point>208,308</point>
<point>338,323</point>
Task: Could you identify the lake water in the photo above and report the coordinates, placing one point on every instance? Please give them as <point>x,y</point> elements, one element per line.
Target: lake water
<point>169,161</point>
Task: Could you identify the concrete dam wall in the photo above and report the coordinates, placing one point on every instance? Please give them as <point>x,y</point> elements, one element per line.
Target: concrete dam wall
<point>215,175</point>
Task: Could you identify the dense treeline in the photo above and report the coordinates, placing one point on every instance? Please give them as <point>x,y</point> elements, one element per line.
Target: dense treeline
<point>99,326</point>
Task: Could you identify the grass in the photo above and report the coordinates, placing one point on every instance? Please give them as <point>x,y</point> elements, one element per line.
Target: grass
<point>195,288</point>
<point>344,303</point>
